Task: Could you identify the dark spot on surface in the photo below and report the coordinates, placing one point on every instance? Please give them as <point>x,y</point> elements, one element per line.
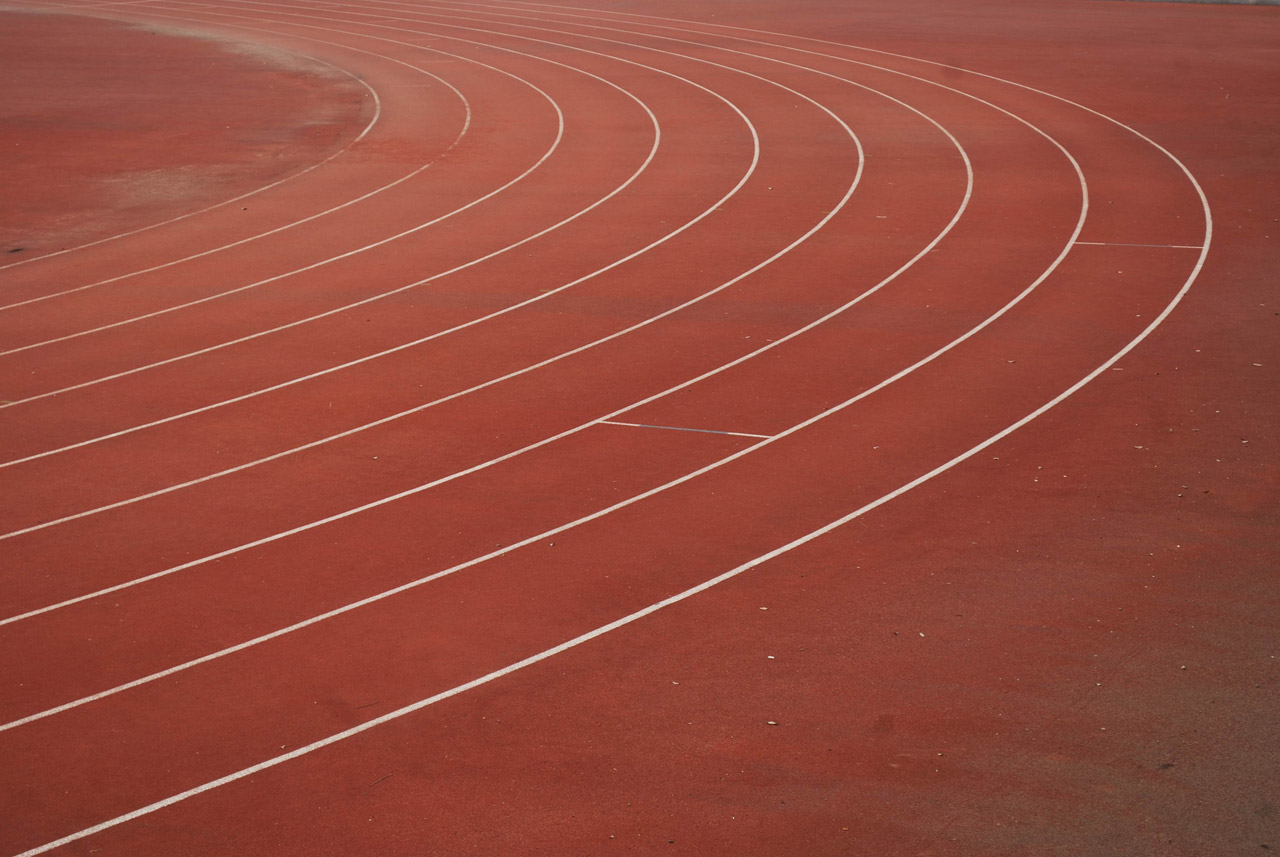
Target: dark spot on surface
<point>16,250</point>
<point>1166,766</point>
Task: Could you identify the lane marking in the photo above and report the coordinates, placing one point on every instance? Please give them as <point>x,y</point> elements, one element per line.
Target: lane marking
<point>680,596</point>
<point>653,151</point>
<point>681,428</point>
<point>1118,244</point>
<point>466,125</point>
<point>364,301</point>
<point>646,611</point>
<point>348,254</point>
<point>621,504</point>
<point>417,489</point>
<point>928,248</point>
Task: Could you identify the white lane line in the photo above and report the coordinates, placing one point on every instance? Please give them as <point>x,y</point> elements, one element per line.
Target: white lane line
<point>338,611</point>
<point>674,599</point>
<point>928,248</point>
<point>314,265</point>
<point>646,611</point>
<point>547,653</point>
<point>417,489</point>
<point>466,125</point>
<point>367,128</point>
<point>681,428</point>
<point>596,15</point>
<point>542,296</point>
<point>1162,246</point>
<point>362,302</point>
<point>630,617</point>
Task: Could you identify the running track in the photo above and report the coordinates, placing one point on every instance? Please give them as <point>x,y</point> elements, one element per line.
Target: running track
<point>614,432</point>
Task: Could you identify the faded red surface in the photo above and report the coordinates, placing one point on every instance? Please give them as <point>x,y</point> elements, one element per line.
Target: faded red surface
<point>109,126</point>
<point>1066,644</point>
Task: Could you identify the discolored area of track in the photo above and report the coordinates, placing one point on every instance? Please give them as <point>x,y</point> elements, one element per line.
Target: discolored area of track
<point>110,126</point>
<point>655,435</point>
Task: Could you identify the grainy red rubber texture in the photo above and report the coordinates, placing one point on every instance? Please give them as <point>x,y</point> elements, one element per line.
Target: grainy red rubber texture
<point>337,447</point>
<point>110,126</point>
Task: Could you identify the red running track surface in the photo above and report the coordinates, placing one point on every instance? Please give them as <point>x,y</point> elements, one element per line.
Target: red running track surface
<point>755,428</point>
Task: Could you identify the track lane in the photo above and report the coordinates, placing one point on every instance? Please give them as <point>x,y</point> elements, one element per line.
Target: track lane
<point>450,117</point>
<point>453,194</point>
<point>407,287</point>
<point>1006,343</point>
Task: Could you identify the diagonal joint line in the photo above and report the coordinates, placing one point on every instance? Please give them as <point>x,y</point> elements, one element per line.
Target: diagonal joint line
<point>682,428</point>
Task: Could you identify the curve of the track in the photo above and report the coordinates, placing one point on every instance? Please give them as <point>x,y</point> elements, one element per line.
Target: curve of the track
<point>1015,309</point>
<point>80,249</point>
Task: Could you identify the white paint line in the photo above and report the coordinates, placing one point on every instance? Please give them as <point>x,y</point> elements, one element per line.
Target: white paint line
<point>621,504</point>
<point>483,465</point>
<point>927,249</point>
<point>631,617</point>
<point>653,151</point>
<point>367,128</point>
<point>600,631</point>
<point>466,125</point>
<point>417,489</point>
<point>364,301</point>
<point>313,266</point>
<point>681,428</point>
<point>1162,246</point>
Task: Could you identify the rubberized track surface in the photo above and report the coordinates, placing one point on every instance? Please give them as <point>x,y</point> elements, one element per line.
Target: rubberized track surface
<point>512,428</point>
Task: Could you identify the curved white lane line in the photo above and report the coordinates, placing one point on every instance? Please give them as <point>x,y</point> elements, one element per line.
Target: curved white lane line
<point>634,405</point>
<point>632,617</point>
<point>466,125</point>
<point>314,265</point>
<point>367,128</point>
<point>417,489</point>
<point>337,310</point>
<point>629,501</point>
<point>542,536</point>
<point>542,296</point>
<point>1204,200</point>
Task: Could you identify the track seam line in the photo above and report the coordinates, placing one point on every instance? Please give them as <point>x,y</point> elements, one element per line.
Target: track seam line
<point>1120,244</point>
<point>681,428</point>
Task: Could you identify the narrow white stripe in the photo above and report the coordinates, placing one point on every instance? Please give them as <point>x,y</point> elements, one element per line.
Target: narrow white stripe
<point>681,428</point>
